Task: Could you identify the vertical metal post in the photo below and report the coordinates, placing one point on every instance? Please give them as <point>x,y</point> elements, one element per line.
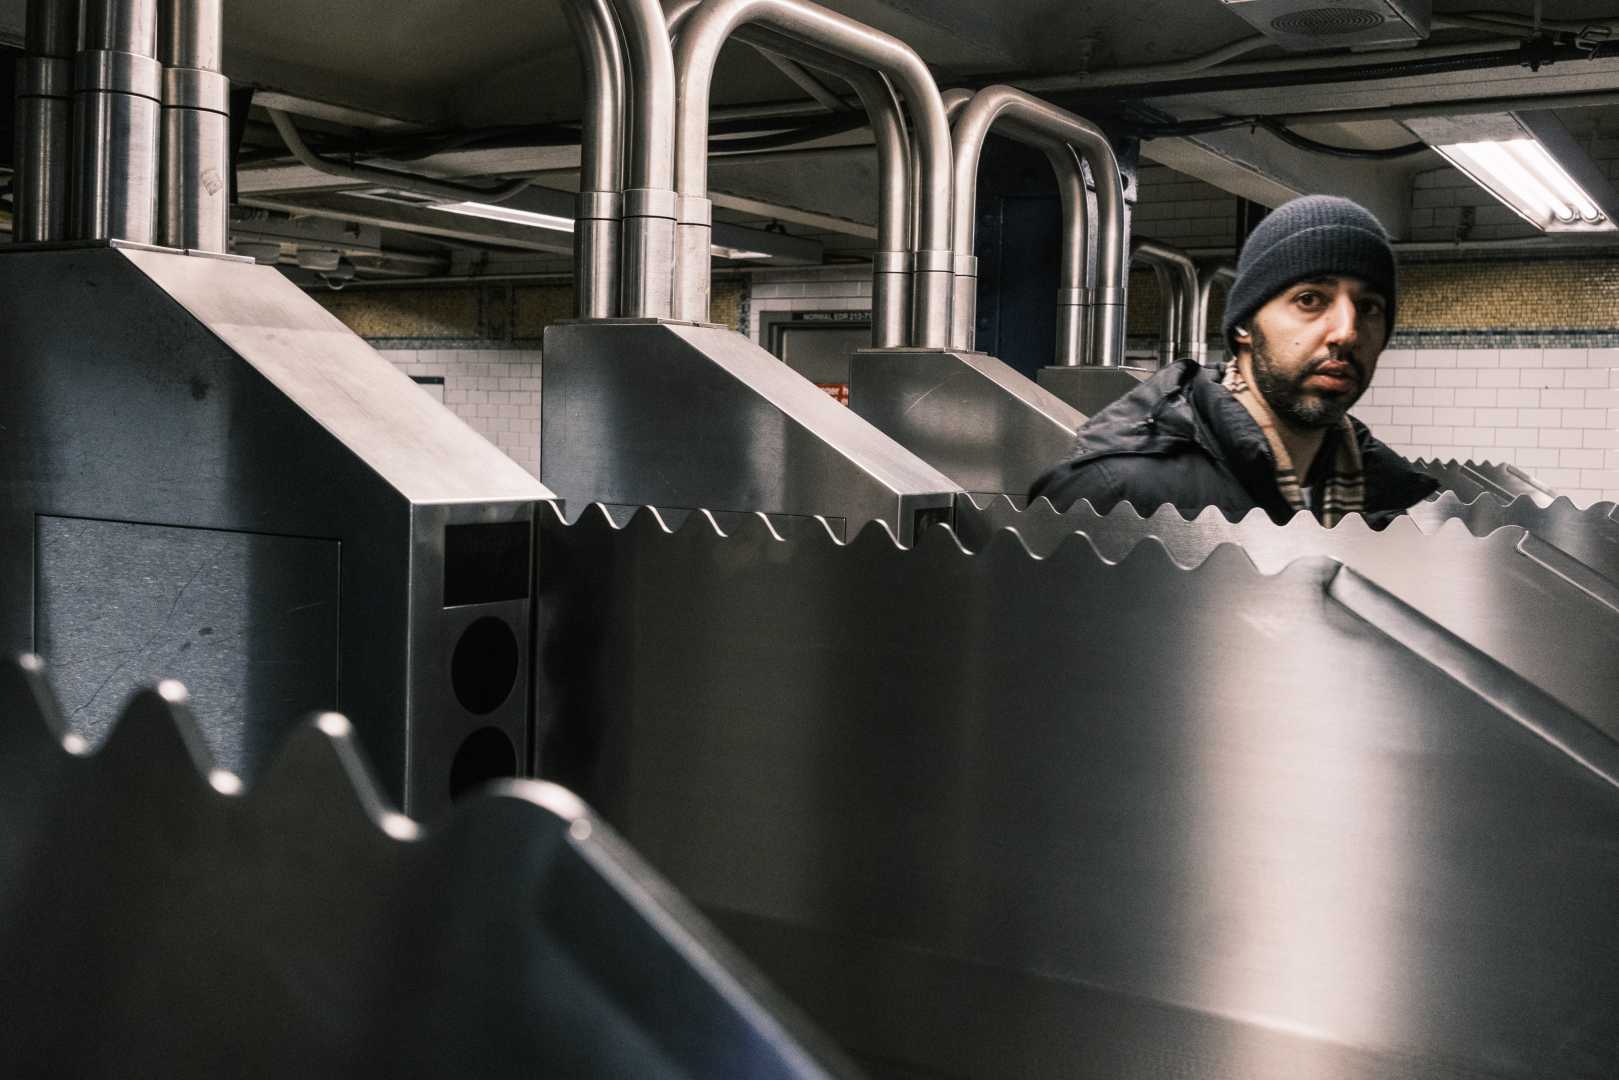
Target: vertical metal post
<point>599,207</point>
<point>647,252</point>
<point>117,98</point>
<point>194,196</point>
<point>44,134</point>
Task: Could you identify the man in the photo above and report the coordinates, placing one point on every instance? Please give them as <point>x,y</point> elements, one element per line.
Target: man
<point>1306,319</point>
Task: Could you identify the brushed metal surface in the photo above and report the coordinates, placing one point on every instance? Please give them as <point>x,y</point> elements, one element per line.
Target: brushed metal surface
<point>1469,479</point>
<point>672,415</point>
<point>1091,389</point>
<point>248,621</point>
<point>185,392</point>
<point>989,815</point>
<point>982,424</point>
<point>157,920</point>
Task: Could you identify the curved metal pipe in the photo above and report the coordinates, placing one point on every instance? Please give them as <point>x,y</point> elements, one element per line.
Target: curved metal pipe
<point>1220,273</point>
<point>890,302</point>
<point>388,178</point>
<point>702,34</point>
<point>647,249</point>
<point>1030,115</point>
<point>1180,294</point>
<point>117,102</point>
<point>598,208</point>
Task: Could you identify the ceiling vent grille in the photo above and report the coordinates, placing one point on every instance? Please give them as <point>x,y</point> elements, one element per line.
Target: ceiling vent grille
<point>1314,24</point>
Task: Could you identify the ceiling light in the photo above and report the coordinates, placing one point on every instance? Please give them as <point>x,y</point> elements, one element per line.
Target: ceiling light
<point>496,212</point>
<point>1529,162</point>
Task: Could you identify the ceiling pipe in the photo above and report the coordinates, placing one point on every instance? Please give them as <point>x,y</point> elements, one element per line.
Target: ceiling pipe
<point>193,199</point>
<point>1177,277</point>
<point>118,90</point>
<point>1222,274</point>
<point>44,122</point>
<point>703,33</point>
<point>598,208</point>
<point>1055,130</point>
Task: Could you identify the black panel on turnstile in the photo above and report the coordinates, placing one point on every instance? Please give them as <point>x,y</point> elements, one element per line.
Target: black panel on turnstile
<point>1019,241</point>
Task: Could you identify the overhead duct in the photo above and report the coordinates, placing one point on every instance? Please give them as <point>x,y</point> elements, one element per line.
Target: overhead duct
<point>193,202</point>
<point>44,116</point>
<point>1306,25</point>
<point>118,93</point>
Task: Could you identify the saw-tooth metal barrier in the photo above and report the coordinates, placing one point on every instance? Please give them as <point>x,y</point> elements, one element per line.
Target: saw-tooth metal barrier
<point>1469,479</point>
<point>986,815</point>
<point>157,920</point>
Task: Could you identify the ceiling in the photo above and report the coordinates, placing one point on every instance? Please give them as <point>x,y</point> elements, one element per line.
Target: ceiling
<point>366,70</point>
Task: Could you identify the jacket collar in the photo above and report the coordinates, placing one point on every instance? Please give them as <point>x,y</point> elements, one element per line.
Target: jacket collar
<point>1184,406</point>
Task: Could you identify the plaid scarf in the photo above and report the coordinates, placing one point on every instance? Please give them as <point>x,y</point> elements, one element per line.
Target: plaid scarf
<point>1345,489</point>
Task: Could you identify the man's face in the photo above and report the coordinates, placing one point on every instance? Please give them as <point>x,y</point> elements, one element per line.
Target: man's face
<point>1314,347</point>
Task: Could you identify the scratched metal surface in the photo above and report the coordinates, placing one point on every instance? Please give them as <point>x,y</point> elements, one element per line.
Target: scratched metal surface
<point>990,815</point>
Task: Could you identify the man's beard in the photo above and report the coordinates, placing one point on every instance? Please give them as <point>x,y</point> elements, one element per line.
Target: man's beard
<point>1287,397</point>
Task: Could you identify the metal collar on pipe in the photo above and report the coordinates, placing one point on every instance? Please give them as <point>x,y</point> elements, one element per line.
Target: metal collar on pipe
<point>1030,114</point>
<point>1183,289</point>
<point>652,88</point>
<point>702,34</point>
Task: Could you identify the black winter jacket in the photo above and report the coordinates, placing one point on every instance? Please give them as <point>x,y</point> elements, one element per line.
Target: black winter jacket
<point>1182,438</point>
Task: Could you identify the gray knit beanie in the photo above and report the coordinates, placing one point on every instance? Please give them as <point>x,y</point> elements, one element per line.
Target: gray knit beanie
<point>1309,237</point>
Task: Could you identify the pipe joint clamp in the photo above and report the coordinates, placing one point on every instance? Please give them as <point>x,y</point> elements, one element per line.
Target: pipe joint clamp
<point>598,206</point>
<point>194,88</point>
<point>964,266</point>
<point>104,72</point>
<point>934,262</point>
<point>1108,297</point>
<point>1071,298</point>
<point>891,262</point>
<point>694,210</point>
<point>649,203</point>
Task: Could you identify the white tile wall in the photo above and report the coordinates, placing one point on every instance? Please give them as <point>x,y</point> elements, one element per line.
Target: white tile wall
<point>1552,412</point>
<point>496,391</point>
<point>807,289</point>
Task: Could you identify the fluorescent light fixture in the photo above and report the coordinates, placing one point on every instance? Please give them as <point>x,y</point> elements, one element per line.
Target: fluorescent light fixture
<point>514,216</point>
<point>510,215</point>
<point>1523,175</point>
<point>722,252</point>
<point>1529,162</point>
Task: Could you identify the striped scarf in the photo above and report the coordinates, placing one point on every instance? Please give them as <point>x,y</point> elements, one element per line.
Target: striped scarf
<point>1345,490</point>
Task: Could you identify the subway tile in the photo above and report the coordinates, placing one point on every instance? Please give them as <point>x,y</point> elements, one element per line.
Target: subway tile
<point>1471,397</point>
<point>1599,438</point>
<point>1559,478</point>
<point>1580,459</point>
<point>1539,417</point>
<point>1478,358</point>
<point>1606,479</point>
<point>1389,395</point>
<point>1584,418</point>
<point>1373,415</point>
<point>1538,458</point>
<point>1413,415</point>
<point>1496,418</point>
<point>1434,396</point>
<point>1436,358</point>
<point>1457,377</point>
<point>1454,417</point>
<point>1521,399</point>
<point>1476,435</point>
<point>1412,377</point>
<point>1416,450</point>
<point>1603,358</point>
<point>1542,377</point>
<point>1565,358</point>
<point>1503,377</point>
<point>1515,436</point>
<point>1599,399</point>
<point>1397,358</point>
<point>1522,358</point>
<point>1396,435</point>
<point>1594,378</point>
<point>1493,453</point>
<point>1432,434</point>
<point>1560,438</point>
<point>1565,399</point>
